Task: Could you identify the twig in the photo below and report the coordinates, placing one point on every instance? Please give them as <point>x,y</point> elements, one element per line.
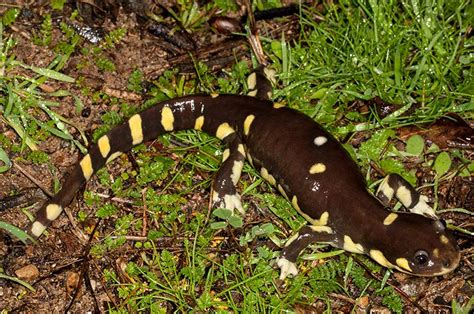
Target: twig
<point>32,179</point>
<point>115,199</point>
<point>254,40</point>
<point>75,229</point>
<point>84,267</point>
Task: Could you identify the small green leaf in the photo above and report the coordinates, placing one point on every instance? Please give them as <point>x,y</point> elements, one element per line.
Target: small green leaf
<point>433,149</point>
<point>415,145</point>
<point>205,301</point>
<point>262,229</point>
<point>276,48</point>
<point>373,147</point>
<point>390,165</point>
<point>268,228</point>
<point>106,211</point>
<point>58,4</point>
<point>467,172</point>
<point>218,225</point>
<point>222,213</point>
<point>320,93</point>
<point>5,162</point>
<point>235,221</point>
<point>442,163</point>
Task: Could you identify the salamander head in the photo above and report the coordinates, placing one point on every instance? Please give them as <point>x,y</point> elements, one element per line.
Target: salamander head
<point>416,245</point>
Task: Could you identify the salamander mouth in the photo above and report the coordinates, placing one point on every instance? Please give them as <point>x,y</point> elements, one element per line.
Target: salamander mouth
<point>450,265</point>
<point>445,267</point>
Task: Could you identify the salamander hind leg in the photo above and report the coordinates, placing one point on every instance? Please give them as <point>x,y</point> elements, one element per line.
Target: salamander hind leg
<point>395,186</point>
<point>297,243</point>
<point>224,187</point>
<point>260,83</point>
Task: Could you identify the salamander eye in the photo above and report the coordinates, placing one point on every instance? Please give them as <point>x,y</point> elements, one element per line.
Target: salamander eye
<point>421,257</point>
<point>440,225</point>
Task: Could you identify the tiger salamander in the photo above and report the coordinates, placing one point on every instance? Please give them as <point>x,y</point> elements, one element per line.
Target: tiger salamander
<point>299,158</point>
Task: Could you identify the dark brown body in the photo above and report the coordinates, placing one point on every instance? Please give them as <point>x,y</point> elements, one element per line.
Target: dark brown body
<point>301,159</point>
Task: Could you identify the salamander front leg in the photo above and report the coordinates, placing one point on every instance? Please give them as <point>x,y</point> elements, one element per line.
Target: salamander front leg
<point>224,192</point>
<point>297,243</point>
<point>395,185</point>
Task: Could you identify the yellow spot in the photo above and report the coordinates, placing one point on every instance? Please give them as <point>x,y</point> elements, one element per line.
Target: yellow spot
<point>252,81</point>
<point>247,123</point>
<point>389,219</point>
<point>252,93</point>
<point>53,211</point>
<point>403,263</point>
<point>37,228</point>
<point>86,166</point>
<point>282,191</point>
<point>320,140</point>
<point>350,246</point>
<point>386,189</point>
<point>214,196</point>
<point>167,119</point>
<point>436,253</point>
<point>294,201</point>
<point>249,158</point>
<point>113,156</point>
<point>314,222</point>
<point>214,95</point>
<point>322,221</point>
<point>317,168</point>
<point>241,149</point>
<point>380,258</point>
<point>321,229</point>
<point>278,105</point>
<point>225,154</point>
<point>236,171</point>
<point>104,146</point>
<point>224,130</point>
<point>199,123</point>
<point>270,74</point>
<point>444,239</point>
<point>135,125</point>
<point>267,176</point>
<point>404,196</point>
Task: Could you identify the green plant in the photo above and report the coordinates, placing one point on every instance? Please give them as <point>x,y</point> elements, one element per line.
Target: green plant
<point>45,34</point>
<point>58,4</point>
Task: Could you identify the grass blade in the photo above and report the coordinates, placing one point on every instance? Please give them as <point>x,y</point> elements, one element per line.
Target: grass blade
<point>17,232</point>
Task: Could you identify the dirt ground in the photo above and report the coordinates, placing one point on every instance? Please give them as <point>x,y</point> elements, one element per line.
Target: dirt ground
<point>53,265</point>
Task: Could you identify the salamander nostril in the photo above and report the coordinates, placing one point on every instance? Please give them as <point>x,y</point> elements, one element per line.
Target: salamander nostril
<point>447,263</point>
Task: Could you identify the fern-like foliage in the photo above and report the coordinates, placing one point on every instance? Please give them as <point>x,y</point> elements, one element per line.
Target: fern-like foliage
<point>325,278</point>
<point>328,278</point>
<point>360,278</point>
